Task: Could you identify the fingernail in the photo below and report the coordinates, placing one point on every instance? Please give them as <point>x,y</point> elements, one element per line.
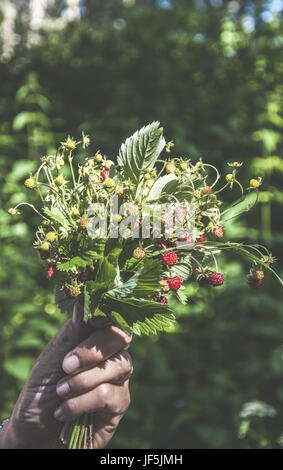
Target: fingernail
<point>62,389</point>
<point>70,364</point>
<point>58,414</point>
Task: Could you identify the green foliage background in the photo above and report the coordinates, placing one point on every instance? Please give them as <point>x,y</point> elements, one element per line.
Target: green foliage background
<point>211,73</point>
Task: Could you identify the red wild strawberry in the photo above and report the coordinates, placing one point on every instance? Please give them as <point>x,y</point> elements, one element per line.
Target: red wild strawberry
<point>51,272</point>
<point>104,174</point>
<point>215,279</point>
<point>254,283</point>
<point>200,239</point>
<point>170,258</point>
<point>175,283</point>
<point>161,299</point>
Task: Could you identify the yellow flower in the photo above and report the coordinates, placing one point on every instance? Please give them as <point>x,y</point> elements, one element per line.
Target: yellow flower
<point>254,183</point>
<point>183,166</point>
<point>109,182</point>
<point>51,236</point>
<point>30,183</point>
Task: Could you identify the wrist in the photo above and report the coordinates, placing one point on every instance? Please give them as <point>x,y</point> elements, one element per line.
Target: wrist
<point>5,436</point>
<point>8,437</point>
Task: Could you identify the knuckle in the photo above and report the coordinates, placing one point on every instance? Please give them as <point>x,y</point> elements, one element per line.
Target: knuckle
<point>104,392</point>
<point>82,382</point>
<point>125,338</point>
<point>126,363</point>
<point>70,407</point>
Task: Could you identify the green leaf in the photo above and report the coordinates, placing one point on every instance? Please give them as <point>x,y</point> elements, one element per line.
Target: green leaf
<point>107,272</point>
<point>141,150</point>
<point>149,279</point>
<point>244,205</point>
<point>144,283</point>
<point>93,293</point>
<point>86,259</point>
<point>165,184</point>
<point>183,269</point>
<point>140,316</point>
<point>57,215</point>
<point>181,296</point>
<point>65,303</point>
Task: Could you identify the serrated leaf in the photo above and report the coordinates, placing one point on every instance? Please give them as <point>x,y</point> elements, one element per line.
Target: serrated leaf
<point>107,273</point>
<point>149,279</point>
<point>181,296</point>
<point>144,283</point>
<point>93,292</point>
<point>141,150</point>
<point>65,303</point>
<point>144,316</point>
<point>57,215</point>
<point>81,261</point>
<point>183,269</point>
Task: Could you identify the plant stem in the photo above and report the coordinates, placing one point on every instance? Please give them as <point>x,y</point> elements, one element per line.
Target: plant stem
<point>71,167</point>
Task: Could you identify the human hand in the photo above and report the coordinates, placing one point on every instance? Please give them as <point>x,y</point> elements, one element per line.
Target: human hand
<point>84,368</point>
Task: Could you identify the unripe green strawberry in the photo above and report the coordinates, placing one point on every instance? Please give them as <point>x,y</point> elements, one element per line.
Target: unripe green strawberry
<point>45,246</point>
<point>51,236</point>
<point>74,291</point>
<point>30,183</point>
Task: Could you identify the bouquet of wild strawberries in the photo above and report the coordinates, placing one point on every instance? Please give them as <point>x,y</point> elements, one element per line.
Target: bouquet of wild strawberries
<point>122,239</point>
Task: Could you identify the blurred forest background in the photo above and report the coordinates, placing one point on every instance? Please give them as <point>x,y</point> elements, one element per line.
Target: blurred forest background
<point>212,73</point>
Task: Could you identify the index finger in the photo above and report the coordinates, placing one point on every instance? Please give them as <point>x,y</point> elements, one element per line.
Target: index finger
<point>99,346</point>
